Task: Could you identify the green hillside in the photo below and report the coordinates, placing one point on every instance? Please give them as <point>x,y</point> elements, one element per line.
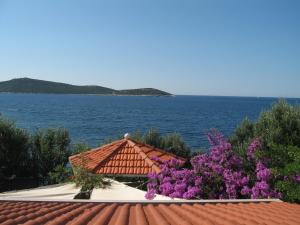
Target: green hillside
<point>27,85</point>
<point>142,91</point>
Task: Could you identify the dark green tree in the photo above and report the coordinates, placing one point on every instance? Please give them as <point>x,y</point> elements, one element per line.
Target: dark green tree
<point>174,143</point>
<point>79,148</point>
<point>50,148</point>
<point>280,125</point>
<point>243,133</point>
<point>137,136</point>
<point>152,137</point>
<point>279,131</point>
<point>14,150</point>
<point>60,174</point>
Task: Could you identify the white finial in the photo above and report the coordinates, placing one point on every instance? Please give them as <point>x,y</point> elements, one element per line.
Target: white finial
<point>126,136</point>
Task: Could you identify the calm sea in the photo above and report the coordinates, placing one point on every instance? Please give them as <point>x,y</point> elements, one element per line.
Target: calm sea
<point>92,118</point>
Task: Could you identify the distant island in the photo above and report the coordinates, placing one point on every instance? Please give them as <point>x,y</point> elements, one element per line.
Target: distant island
<point>28,85</point>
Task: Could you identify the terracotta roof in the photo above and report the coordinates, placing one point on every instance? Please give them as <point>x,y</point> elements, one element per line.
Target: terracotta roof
<point>122,157</point>
<point>80,213</point>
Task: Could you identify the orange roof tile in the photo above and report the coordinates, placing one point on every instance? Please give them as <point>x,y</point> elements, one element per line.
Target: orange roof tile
<point>141,213</point>
<point>122,157</point>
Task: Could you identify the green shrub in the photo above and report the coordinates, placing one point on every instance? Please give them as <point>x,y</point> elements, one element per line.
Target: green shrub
<point>285,164</point>
<point>87,180</point>
<point>172,143</point>
<point>243,133</point>
<point>280,125</point>
<point>137,136</point>
<point>79,148</point>
<point>152,137</point>
<point>50,148</point>
<point>60,174</point>
<point>14,150</point>
<point>279,131</point>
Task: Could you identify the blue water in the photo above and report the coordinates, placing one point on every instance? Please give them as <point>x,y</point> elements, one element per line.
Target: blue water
<point>92,118</point>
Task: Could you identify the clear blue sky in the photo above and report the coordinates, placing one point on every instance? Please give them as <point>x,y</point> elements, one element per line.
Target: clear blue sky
<point>209,47</point>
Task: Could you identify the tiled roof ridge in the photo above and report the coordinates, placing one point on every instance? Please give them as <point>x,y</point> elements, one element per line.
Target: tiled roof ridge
<point>123,142</point>
<point>96,149</point>
<point>87,153</point>
<point>159,150</point>
<point>144,156</point>
<point>106,159</point>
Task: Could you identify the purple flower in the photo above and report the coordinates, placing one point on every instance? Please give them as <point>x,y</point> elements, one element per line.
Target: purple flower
<point>275,194</point>
<point>198,181</point>
<point>150,194</point>
<point>215,137</point>
<point>260,166</point>
<point>297,178</point>
<point>264,174</point>
<point>176,195</point>
<point>255,193</point>
<point>262,185</point>
<point>245,190</point>
<point>191,193</point>
<point>245,180</point>
<point>218,173</point>
<point>152,176</point>
<point>252,148</point>
<point>166,188</point>
<point>180,187</point>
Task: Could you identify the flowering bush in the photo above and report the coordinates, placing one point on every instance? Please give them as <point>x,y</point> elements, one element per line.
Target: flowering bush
<point>218,174</point>
<point>173,181</point>
<point>279,132</point>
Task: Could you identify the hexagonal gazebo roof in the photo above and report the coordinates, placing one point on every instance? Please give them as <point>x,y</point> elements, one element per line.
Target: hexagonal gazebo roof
<point>122,157</point>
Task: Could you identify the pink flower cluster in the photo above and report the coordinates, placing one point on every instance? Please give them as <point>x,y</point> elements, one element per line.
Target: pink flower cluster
<point>218,174</point>
<point>173,182</point>
<point>252,148</point>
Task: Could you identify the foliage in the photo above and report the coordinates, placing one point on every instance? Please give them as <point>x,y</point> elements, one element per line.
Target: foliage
<point>285,163</point>
<point>88,180</point>
<point>109,140</point>
<point>172,143</point>
<point>152,137</point>
<point>137,136</point>
<point>175,144</point>
<point>60,174</point>
<point>243,134</point>
<point>14,150</point>
<point>280,125</point>
<point>79,148</point>
<point>216,174</point>
<point>50,148</point>
<point>43,154</point>
<point>142,91</point>
<point>279,132</point>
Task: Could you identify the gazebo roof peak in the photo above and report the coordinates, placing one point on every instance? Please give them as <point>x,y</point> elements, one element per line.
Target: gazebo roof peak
<point>122,157</point>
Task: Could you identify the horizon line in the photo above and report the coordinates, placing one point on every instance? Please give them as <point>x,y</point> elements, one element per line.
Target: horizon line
<point>200,95</point>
